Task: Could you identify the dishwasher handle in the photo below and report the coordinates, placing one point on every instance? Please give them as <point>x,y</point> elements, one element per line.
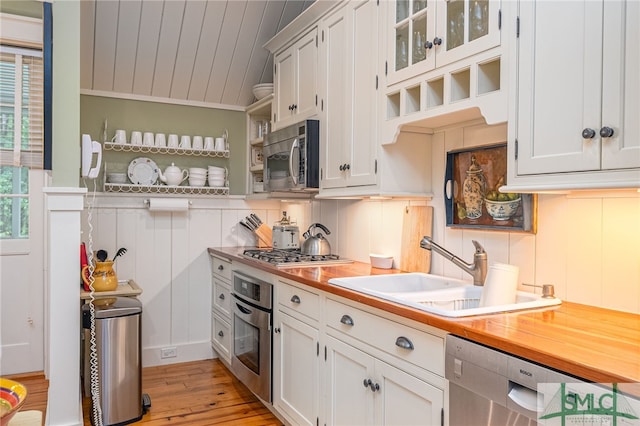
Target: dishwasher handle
<point>523,396</point>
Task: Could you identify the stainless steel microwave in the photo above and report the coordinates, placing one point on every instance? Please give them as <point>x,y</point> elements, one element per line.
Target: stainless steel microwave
<point>291,158</point>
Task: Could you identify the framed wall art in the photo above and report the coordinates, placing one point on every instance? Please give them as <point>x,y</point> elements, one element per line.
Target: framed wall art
<point>473,177</point>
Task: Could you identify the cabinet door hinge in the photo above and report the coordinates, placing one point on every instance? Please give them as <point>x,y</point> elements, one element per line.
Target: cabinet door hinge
<point>516,153</point>
<point>518,27</point>
<point>316,100</point>
<point>499,19</point>
<point>320,174</point>
<point>375,167</point>
<point>317,421</point>
<point>376,82</point>
<point>325,352</point>
<point>317,348</point>
<point>321,104</point>
<point>274,117</point>
<point>386,67</point>
<point>322,32</point>
<point>442,417</point>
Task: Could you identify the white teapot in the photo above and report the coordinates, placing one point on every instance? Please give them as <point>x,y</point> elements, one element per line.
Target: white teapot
<point>173,175</point>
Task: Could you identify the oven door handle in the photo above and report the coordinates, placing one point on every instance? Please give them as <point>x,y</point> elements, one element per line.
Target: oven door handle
<point>243,309</point>
<point>294,176</point>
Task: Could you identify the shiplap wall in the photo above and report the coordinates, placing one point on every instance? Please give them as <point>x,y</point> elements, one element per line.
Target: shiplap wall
<point>167,257</point>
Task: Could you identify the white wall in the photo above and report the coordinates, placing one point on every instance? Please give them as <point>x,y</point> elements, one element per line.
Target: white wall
<point>167,257</point>
<point>586,244</point>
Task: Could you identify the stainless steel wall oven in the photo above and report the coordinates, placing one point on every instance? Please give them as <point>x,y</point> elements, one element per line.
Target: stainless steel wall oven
<point>252,322</point>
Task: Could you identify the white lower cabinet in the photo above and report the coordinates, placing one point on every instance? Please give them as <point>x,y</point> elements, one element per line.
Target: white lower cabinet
<point>363,390</point>
<point>221,331</point>
<point>296,350</point>
<point>296,387</point>
<point>339,362</point>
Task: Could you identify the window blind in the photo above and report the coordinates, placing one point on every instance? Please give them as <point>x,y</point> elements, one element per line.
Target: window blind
<point>21,107</point>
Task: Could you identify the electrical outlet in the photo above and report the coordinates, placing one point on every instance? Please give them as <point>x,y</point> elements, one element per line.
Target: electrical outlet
<point>169,352</point>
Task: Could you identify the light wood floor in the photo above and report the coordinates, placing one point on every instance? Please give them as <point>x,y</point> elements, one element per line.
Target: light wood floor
<point>195,393</point>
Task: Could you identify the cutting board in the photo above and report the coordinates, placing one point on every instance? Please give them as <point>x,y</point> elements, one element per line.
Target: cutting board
<point>417,221</point>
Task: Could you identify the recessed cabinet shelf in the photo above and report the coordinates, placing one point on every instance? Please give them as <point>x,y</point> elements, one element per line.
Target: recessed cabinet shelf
<point>438,91</point>
<point>109,146</point>
<point>164,189</point>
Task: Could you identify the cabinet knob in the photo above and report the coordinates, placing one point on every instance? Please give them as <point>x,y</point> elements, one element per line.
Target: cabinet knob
<point>347,320</point>
<point>369,384</point>
<point>606,132</point>
<point>276,330</point>
<point>437,41</point>
<point>404,343</point>
<point>220,267</point>
<point>221,297</point>
<point>295,106</point>
<point>220,333</point>
<point>341,167</point>
<point>588,133</point>
<point>295,299</point>
<point>428,44</point>
<point>347,166</point>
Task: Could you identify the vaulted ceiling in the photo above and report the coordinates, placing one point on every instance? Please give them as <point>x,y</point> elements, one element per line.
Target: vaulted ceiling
<point>200,51</point>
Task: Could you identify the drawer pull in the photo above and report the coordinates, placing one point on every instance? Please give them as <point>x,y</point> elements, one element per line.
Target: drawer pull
<point>221,297</point>
<point>295,299</point>
<point>404,343</point>
<point>220,267</point>
<point>347,320</point>
<point>220,333</point>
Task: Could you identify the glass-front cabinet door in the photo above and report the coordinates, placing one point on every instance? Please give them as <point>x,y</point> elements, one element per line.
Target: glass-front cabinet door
<point>433,33</point>
<point>413,26</point>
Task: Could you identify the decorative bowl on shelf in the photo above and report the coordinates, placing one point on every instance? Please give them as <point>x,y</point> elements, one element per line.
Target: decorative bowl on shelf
<point>12,398</point>
<point>502,210</point>
<point>262,90</point>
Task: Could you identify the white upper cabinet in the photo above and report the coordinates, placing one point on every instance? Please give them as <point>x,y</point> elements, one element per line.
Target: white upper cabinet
<point>425,34</point>
<point>348,95</point>
<point>576,124</point>
<point>295,81</point>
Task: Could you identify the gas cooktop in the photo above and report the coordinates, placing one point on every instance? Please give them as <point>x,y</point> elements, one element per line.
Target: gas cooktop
<point>292,258</point>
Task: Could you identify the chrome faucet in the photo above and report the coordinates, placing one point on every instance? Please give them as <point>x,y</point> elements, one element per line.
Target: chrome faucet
<point>477,269</point>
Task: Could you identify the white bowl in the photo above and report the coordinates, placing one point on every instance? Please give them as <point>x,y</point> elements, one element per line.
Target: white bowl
<point>197,181</point>
<point>381,261</point>
<point>216,182</point>
<point>262,90</point>
<point>197,170</point>
<point>502,210</point>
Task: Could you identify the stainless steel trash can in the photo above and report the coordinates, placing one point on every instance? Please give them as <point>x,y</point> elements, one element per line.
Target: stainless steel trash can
<point>117,325</point>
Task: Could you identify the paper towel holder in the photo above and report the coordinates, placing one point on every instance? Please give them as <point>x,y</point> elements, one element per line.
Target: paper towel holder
<point>147,202</point>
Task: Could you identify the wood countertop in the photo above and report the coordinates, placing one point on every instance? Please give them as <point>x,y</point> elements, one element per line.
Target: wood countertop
<point>600,345</point>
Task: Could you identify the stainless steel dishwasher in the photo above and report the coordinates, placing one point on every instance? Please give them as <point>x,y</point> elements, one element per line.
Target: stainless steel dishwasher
<point>489,387</point>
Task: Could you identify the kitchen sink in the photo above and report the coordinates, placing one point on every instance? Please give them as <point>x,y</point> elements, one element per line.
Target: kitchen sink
<point>439,295</point>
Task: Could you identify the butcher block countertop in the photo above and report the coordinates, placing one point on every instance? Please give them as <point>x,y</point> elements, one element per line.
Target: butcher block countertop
<point>593,343</point>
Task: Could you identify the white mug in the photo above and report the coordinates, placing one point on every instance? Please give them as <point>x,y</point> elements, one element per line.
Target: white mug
<point>185,141</point>
<point>147,139</point>
<point>136,138</point>
<point>173,141</point>
<point>120,137</point>
<point>197,142</point>
<point>220,144</point>
<point>161,140</point>
<point>208,143</point>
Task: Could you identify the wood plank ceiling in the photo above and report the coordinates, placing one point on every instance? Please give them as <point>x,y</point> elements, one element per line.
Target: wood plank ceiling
<point>187,51</point>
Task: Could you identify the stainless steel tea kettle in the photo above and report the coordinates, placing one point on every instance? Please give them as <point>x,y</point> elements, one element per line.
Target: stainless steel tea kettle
<point>316,245</point>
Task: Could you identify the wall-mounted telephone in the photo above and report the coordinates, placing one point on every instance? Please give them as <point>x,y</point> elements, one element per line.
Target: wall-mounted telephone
<point>89,148</point>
